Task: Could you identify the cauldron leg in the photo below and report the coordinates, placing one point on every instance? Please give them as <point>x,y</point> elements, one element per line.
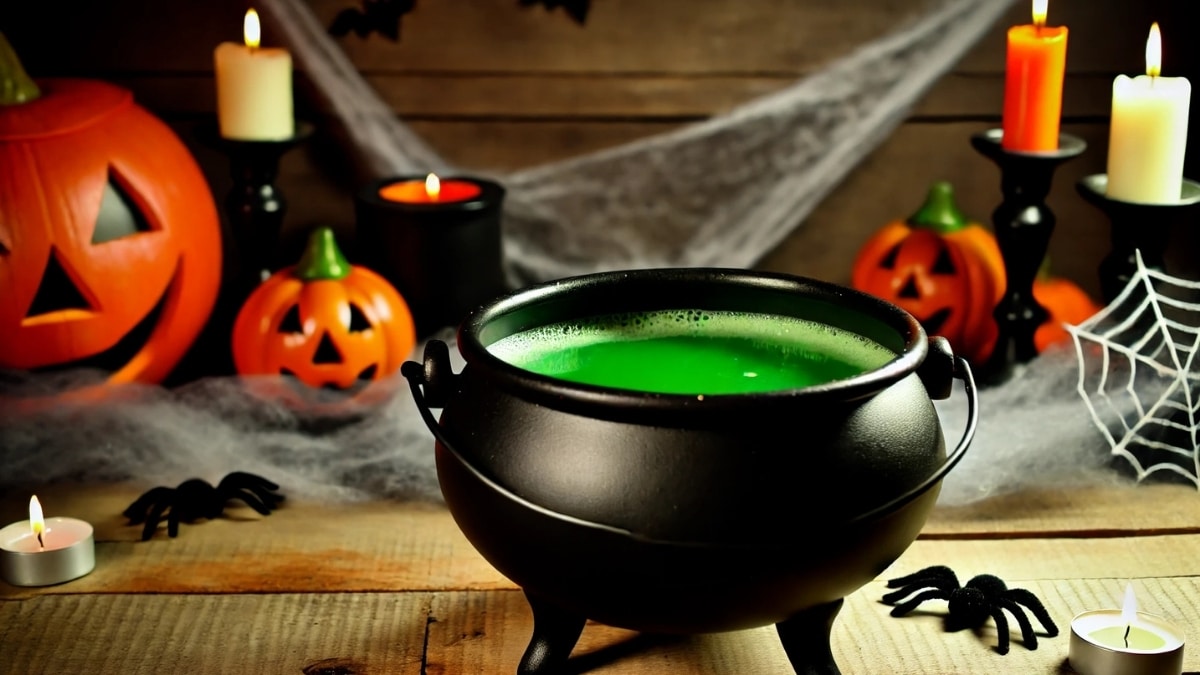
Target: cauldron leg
<point>555,632</point>
<point>805,638</point>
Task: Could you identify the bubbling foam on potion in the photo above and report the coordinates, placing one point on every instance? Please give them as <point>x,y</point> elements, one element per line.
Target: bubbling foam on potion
<point>693,352</point>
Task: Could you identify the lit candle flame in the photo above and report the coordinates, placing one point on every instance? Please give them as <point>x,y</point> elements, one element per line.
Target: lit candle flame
<point>1129,607</point>
<point>251,29</point>
<point>433,186</point>
<point>37,523</point>
<point>1039,12</point>
<point>1154,51</point>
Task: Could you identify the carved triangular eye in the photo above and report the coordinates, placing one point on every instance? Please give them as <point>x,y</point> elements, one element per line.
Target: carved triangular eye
<point>889,261</point>
<point>291,321</point>
<point>119,216</point>
<point>358,320</point>
<point>944,264</point>
<point>56,291</point>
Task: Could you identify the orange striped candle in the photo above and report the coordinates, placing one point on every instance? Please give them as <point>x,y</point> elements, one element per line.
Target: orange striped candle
<point>1033,84</point>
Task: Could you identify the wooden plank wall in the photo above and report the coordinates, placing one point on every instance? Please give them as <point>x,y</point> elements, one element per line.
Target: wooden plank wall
<point>495,86</point>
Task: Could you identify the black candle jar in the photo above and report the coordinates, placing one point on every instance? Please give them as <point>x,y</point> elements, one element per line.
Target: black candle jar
<point>444,256</point>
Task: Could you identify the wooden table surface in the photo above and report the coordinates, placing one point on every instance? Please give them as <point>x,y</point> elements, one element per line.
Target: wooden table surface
<point>394,588</point>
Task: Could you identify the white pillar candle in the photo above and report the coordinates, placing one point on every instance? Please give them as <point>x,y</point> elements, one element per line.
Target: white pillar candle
<point>254,88</point>
<point>1148,135</point>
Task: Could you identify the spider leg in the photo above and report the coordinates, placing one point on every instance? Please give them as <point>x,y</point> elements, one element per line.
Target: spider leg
<point>239,482</point>
<point>906,607</point>
<point>173,524</point>
<point>249,497</point>
<point>1028,599</point>
<point>136,512</point>
<point>153,518</point>
<point>937,573</point>
<point>1001,629</point>
<point>1027,634</point>
<point>943,579</point>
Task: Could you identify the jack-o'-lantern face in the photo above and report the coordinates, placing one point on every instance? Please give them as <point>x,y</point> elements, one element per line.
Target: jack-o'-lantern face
<point>925,276</point>
<point>110,251</point>
<point>328,325</point>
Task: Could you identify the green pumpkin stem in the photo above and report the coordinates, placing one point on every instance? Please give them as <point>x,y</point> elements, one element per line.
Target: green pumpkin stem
<point>939,212</point>
<point>322,259</point>
<point>15,84</point>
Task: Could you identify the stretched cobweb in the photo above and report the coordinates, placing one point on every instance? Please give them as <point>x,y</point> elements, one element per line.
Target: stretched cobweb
<point>1138,374</point>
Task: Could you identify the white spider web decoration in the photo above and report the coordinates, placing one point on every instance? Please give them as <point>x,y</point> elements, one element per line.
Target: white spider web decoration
<point>1141,387</point>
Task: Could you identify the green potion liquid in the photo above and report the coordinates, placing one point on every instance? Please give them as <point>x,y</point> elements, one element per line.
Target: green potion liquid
<point>693,352</point>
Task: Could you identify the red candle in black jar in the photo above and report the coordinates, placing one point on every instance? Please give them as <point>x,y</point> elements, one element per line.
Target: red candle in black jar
<point>437,240</point>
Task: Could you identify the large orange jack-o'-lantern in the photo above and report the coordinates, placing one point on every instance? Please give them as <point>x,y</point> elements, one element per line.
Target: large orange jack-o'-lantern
<point>940,267</point>
<point>324,321</point>
<point>110,245</point>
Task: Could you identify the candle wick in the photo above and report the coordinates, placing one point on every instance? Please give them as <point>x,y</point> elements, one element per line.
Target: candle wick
<point>41,542</point>
<point>1127,627</point>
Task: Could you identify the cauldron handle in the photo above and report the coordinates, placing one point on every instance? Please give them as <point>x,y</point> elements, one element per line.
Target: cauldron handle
<point>436,375</point>
<point>962,371</point>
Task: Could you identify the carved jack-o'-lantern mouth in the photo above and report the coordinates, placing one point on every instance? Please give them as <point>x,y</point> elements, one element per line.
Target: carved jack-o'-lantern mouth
<point>130,345</point>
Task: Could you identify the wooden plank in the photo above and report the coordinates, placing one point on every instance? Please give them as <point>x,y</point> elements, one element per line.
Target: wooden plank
<point>1105,37</point>
<point>487,632</point>
<point>350,634</point>
<point>304,547</point>
<point>621,36</point>
<point>1094,512</point>
<point>382,546</point>
<point>1074,558</point>
<point>600,97</point>
<point>1099,512</point>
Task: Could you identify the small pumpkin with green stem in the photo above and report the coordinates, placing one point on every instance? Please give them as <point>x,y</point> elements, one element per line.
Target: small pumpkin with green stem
<point>942,268</point>
<point>324,321</point>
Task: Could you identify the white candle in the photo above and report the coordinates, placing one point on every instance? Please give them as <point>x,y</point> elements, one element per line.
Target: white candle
<point>1148,135</point>
<point>254,88</point>
<point>65,549</point>
<point>1125,642</point>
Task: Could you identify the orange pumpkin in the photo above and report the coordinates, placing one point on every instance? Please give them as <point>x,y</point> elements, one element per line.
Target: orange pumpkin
<point>1066,303</point>
<point>110,248</point>
<point>324,321</point>
<point>943,269</point>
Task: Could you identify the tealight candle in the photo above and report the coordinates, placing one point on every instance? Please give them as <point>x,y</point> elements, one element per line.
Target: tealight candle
<point>432,190</point>
<point>1125,642</point>
<point>43,552</point>
<point>1148,135</point>
<point>254,88</point>
<point>1035,64</point>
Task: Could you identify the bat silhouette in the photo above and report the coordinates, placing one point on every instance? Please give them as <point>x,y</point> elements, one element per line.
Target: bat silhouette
<point>376,16</point>
<point>577,9</point>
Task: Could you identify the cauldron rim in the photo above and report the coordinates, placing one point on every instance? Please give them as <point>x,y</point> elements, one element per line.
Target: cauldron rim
<point>651,290</point>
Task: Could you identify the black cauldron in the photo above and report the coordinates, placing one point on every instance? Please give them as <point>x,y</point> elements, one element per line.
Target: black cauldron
<point>680,513</point>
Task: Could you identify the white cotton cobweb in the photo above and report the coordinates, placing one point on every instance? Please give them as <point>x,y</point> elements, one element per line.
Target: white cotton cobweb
<point>1142,397</point>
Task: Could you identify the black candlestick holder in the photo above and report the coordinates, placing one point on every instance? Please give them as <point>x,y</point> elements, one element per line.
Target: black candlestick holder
<point>254,207</point>
<point>1023,225</point>
<point>1136,227</point>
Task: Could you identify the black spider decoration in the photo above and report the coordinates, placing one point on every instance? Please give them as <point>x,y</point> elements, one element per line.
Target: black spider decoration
<point>970,606</point>
<point>576,9</point>
<point>195,499</point>
<point>376,16</point>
